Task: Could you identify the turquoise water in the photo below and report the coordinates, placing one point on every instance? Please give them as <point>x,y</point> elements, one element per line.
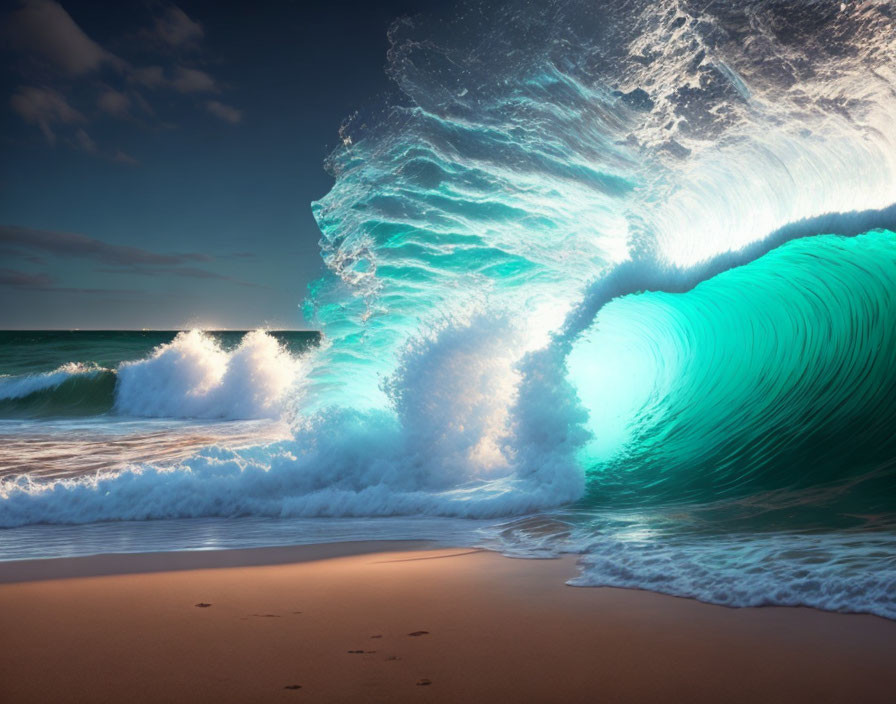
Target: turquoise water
<point>613,280</point>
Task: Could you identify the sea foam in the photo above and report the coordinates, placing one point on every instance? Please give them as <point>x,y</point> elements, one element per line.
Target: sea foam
<point>194,377</point>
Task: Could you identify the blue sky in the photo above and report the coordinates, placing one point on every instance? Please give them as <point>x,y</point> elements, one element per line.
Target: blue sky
<point>158,161</point>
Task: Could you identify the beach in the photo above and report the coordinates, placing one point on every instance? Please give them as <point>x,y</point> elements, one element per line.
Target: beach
<point>406,622</point>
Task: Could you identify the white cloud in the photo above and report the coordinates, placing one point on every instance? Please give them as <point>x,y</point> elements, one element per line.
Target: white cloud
<point>176,28</point>
<point>44,27</point>
<point>225,112</point>
<point>114,102</point>
<point>45,108</point>
<point>192,80</point>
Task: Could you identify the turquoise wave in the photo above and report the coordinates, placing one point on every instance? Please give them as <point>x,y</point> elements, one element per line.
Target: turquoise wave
<point>776,376</point>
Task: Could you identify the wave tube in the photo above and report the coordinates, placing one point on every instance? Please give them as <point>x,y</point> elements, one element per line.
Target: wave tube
<point>776,376</point>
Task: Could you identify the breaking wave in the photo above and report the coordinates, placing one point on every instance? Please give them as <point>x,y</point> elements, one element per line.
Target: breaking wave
<point>192,376</point>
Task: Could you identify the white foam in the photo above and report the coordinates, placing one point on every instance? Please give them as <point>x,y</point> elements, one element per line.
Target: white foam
<point>458,441</point>
<point>850,572</point>
<point>194,377</point>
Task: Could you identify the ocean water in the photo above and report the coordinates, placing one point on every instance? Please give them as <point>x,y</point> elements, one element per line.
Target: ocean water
<point>79,402</point>
<point>614,280</point>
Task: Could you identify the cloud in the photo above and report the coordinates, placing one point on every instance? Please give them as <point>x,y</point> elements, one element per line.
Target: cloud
<point>112,258</point>
<point>45,108</point>
<point>225,112</point>
<point>176,28</point>
<point>114,102</point>
<point>84,142</point>
<point>192,80</point>
<point>149,76</point>
<point>124,158</point>
<point>12,278</point>
<point>70,244</point>
<point>26,281</point>
<point>44,28</point>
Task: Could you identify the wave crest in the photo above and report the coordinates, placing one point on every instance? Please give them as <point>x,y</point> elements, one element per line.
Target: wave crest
<point>194,377</point>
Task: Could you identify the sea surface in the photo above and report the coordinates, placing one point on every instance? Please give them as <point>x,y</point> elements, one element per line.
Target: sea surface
<point>614,279</point>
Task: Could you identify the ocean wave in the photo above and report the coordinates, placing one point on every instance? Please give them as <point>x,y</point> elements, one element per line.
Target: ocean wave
<point>194,377</point>
<point>779,374</point>
<point>12,387</point>
<point>71,389</point>
<point>846,572</point>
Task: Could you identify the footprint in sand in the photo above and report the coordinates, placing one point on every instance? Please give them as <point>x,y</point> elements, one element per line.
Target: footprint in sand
<point>419,633</point>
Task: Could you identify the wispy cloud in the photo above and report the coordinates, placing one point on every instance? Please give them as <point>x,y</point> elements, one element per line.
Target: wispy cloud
<point>176,28</point>
<point>148,76</point>
<point>84,141</point>
<point>38,245</point>
<point>124,158</point>
<point>45,29</point>
<point>114,102</point>
<point>11,278</point>
<point>192,80</point>
<point>25,281</point>
<point>71,63</point>
<point>76,245</point>
<point>225,112</point>
<point>45,108</point>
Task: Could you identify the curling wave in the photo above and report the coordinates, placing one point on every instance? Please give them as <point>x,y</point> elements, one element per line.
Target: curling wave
<point>72,389</point>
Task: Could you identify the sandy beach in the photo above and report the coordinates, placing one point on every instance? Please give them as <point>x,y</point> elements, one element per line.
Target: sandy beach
<point>403,622</point>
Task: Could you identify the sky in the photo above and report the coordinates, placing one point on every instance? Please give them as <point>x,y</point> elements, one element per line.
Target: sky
<point>158,161</point>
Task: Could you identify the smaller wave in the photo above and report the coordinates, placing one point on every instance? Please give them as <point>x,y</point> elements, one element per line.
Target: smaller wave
<point>12,387</point>
<point>194,377</point>
<point>72,389</point>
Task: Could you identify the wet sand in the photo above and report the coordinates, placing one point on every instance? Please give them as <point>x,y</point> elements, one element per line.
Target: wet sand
<point>402,622</point>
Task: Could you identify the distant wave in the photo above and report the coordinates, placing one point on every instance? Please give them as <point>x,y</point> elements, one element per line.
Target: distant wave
<point>72,389</point>
<point>20,386</point>
<point>192,376</point>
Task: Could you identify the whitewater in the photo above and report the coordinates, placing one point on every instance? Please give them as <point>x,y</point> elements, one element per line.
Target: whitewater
<point>612,280</point>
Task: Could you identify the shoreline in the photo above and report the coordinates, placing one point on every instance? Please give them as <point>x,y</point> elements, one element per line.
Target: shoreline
<point>121,563</point>
<point>337,621</point>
